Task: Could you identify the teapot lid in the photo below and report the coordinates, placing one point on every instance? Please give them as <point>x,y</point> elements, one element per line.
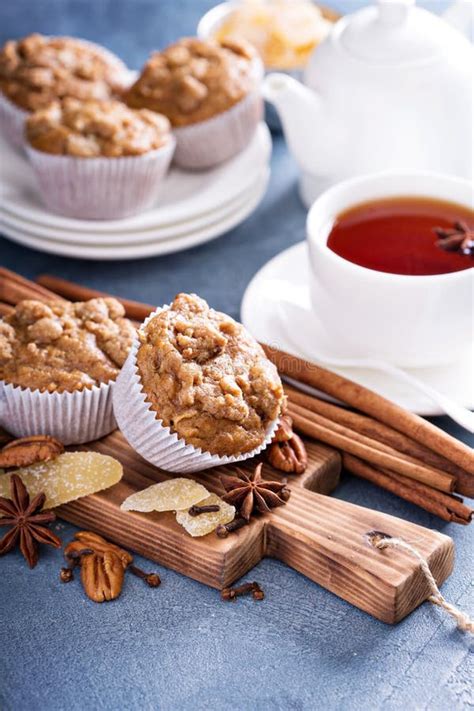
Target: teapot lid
<point>393,32</point>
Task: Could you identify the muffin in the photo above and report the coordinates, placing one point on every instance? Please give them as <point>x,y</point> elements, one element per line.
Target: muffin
<point>98,159</point>
<point>196,390</point>
<point>58,363</point>
<point>209,91</point>
<point>36,70</point>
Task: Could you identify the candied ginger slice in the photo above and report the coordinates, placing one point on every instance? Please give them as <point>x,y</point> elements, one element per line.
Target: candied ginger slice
<point>66,478</point>
<point>207,522</point>
<point>170,495</point>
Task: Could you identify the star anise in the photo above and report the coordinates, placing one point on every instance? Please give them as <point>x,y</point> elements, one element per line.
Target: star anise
<point>253,493</point>
<point>460,239</point>
<point>26,519</point>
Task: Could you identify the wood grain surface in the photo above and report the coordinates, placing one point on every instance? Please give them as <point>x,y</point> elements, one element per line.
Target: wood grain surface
<point>322,537</point>
<point>318,535</point>
<point>211,560</point>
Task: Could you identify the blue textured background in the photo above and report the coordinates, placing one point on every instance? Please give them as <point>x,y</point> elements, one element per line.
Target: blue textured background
<point>179,647</point>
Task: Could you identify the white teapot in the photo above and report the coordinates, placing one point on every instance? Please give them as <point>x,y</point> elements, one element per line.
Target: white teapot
<point>389,89</point>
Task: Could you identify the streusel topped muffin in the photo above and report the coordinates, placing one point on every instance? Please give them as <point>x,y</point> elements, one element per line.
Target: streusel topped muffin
<point>36,70</point>
<point>96,128</point>
<point>207,378</point>
<point>194,80</point>
<point>64,347</point>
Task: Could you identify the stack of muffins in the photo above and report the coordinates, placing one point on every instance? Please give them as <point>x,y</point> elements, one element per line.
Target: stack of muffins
<point>100,146</point>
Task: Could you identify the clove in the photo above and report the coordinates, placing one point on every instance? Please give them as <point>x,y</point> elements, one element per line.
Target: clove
<point>198,510</point>
<point>153,580</point>
<point>246,589</point>
<point>223,530</point>
<point>73,560</point>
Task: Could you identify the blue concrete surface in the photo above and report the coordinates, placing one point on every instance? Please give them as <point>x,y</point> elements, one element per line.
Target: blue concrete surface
<point>179,647</point>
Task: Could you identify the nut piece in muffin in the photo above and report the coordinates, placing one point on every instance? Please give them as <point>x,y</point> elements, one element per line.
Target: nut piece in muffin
<point>194,80</point>
<point>96,128</point>
<point>36,70</point>
<point>207,378</point>
<point>63,347</point>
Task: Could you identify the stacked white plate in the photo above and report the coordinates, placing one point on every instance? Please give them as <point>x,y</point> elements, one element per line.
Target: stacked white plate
<point>192,208</point>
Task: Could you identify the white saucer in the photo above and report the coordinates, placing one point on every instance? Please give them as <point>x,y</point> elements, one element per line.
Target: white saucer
<point>137,249</point>
<point>263,313</point>
<point>184,195</point>
<point>152,234</point>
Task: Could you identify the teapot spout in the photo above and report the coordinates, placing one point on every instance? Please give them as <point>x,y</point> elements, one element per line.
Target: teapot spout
<point>299,109</point>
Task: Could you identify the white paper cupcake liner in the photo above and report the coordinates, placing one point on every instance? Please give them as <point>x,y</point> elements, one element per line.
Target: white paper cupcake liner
<point>100,188</point>
<point>73,418</point>
<point>12,121</point>
<point>208,143</point>
<point>150,438</point>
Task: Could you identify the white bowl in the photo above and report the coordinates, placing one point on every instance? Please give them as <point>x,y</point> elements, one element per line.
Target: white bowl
<point>406,320</point>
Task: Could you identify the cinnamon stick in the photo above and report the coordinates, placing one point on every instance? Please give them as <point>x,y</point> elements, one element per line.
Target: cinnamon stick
<point>75,292</point>
<point>377,431</point>
<point>15,288</point>
<point>377,406</point>
<point>358,437</point>
<point>449,508</point>
<point>432,477</point>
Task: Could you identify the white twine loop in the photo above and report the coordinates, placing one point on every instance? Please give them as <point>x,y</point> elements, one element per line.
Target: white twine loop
<point>383,540</point>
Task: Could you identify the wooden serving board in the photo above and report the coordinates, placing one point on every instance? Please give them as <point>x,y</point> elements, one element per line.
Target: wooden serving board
<point>320,536</point>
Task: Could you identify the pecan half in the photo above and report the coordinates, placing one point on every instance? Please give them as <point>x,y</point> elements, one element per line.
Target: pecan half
<point>289,456</point>
<point>29,450</point>
<point>102,575</point>
<point>98,545</point>
<point>284,431</point>
<point>88,539</point>
<point>103,565</point>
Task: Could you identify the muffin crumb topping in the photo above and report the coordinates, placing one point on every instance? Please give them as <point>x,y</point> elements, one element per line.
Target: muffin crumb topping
<point>36,70</point>
<point>61,346</point>
<point>193,80</point>
<point>207,378</point>
<point>96,128</point>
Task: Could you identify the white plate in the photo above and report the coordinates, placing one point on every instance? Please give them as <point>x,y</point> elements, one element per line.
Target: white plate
<point>184,195</point>
<point>262,312</point>
<point>147,249</point>
<point>127,238</point>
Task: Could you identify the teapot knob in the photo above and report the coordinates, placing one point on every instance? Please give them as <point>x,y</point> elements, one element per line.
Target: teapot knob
<point>393,12</point>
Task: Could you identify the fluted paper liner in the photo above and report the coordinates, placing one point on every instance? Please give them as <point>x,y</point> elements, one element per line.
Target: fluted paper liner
<point>207,143</point>
<point>12,121</point>
<point>149,437</point>
<point>72,417</point>
<point>100,188</point>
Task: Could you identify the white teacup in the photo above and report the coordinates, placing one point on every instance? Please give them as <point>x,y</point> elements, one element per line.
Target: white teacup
<point>406,320</point>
